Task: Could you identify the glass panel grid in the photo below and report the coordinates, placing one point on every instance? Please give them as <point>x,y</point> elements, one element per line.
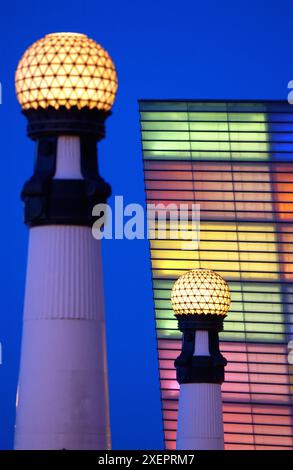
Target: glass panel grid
<point>236,161</point>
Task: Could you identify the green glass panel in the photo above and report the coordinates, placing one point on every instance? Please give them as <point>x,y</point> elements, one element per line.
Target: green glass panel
<point>165,314</point>
<point>161,135</point>
<point>246,106</point>
<point>206,106</point>
<point>245,137</point>
<point>163,105</point>
<point>163,303</point>
<point>249,156</point>
<point>165,334</point>
<point>162,284</point>
<point>256,117</point>
<point>252,337</point>
<point>168,126</point>
<point>193,116</point>
<point>154,145</point>
<point>167,324</point>
<point>208,126</point>
<point>162,294</point>
<point>248,127</point>
<point>249,136</point>
<point>249,146</point>
<point>219,146</point>
<point>209,136</point>
<point>161,116</point>
<point>166,155</point>
<point>202,155</point>
<point>232,336</point>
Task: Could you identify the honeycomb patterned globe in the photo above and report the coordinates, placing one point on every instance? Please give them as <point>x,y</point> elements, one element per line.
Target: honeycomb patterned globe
<point>200,291</point>
<point>66,69</point>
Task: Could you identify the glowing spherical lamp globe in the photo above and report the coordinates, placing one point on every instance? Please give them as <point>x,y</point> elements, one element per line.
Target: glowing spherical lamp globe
<point>200,292</point>
<point>66,69</point>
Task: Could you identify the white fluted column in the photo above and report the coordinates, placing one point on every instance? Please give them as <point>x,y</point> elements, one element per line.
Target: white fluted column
<point>63,387</point>
<point>200,421</point>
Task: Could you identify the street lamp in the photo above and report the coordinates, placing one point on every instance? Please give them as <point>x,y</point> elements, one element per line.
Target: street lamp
<point>66,85</point>
<point>200,299</point>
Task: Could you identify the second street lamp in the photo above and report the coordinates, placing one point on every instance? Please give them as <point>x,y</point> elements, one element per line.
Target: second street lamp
<point>200,299</point>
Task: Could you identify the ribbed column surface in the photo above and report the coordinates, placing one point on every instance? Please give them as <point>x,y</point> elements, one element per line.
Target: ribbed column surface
<point>68,158</point>
<point>63,389</point>
<point>200,421</point>
<point>64,274</point>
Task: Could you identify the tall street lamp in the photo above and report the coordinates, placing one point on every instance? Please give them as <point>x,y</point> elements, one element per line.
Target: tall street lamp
<point>66,85</point>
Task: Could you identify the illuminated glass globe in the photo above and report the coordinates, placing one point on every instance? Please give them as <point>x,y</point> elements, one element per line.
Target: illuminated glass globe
<point>200,291</point>
<point>66,69</point>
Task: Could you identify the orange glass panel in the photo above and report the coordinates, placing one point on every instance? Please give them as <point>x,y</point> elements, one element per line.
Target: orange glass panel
<point>283,186</point>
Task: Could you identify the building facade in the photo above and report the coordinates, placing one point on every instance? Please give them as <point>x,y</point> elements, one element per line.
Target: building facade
<point>234,159</point>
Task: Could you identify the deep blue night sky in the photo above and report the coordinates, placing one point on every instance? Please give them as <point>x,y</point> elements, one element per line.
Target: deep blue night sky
<point>162,49</point>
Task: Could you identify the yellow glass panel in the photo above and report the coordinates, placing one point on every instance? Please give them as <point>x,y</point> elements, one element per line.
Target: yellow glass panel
<point>167,244</point>
<point>167,265</point>
<point>176,254</point>
<point>255,256</point>
<point>248,233</point>
<point>211,245</point>
<point>256,228</point>
<point>218,255</point>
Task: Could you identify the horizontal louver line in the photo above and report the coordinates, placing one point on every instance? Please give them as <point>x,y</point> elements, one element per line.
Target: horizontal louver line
<point>232,351</point>
<point>237,371</point>
<point>240,402</point>
<point>239,392</point>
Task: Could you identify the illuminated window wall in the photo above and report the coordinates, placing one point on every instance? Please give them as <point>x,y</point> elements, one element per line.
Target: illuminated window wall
<point>235,159</point>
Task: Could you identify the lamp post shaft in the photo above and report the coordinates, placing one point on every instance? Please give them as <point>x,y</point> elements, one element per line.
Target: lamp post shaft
<point>200,420</point>
<point>200,372</point>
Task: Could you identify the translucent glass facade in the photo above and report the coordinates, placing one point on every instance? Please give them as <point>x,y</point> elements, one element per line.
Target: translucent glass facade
<point>235,159</point>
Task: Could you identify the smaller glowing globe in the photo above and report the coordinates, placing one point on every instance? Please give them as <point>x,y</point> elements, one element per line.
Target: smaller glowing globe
<point>200,292</point>
<point>66,69</point>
